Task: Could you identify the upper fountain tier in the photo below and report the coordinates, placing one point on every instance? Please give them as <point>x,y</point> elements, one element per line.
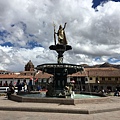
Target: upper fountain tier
<point>60,47</point>
<point>60,69</point>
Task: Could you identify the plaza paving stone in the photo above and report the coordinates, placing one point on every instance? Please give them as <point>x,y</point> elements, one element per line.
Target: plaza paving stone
<point>33,111</point>
<point>89,108</point>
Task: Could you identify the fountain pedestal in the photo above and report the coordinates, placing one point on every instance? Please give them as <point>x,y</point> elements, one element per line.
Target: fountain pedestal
<point>60,49</point>
<point>59,70</point>
<point>60,74</point>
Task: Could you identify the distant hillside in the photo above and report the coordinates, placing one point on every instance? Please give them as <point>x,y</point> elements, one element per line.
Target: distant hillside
<point>106,64</point>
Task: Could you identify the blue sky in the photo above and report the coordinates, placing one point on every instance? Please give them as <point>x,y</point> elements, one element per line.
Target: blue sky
<point>26,31</point>
<point>98,2</point>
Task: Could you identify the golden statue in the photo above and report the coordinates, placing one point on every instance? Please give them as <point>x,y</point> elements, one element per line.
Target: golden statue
<point>61,35</point>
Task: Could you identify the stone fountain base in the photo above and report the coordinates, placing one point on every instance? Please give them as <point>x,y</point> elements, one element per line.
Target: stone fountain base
<point>65,101</point>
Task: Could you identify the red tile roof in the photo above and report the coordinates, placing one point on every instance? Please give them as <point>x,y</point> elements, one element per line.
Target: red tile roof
<point>103,72</point>
<point>100,72</point>
<point>43,75</point>
<point>8,76</point>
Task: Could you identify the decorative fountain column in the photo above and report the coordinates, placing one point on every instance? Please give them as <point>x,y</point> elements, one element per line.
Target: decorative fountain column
<point>59,70</point>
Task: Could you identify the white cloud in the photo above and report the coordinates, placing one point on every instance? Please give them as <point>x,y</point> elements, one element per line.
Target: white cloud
<point>91,34</point>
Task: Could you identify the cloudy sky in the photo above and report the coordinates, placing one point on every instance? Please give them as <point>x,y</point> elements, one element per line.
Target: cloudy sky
<point>26,31</point>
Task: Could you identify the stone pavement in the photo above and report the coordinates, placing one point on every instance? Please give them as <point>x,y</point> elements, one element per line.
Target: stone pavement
<point>89,108</point>
<point>16,115</point>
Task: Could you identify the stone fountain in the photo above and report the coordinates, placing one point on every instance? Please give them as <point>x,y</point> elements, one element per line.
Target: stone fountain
<point>59,70</point>
<point>57,89</point>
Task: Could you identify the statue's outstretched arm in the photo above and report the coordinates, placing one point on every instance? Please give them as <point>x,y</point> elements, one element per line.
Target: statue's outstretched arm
<point>64,26</point>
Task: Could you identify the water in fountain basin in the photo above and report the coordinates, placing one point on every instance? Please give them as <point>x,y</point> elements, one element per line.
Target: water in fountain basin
<point>75,96</point>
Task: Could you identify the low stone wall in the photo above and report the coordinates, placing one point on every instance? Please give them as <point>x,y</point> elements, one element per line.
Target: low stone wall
<point>42,100</point>
<point>66,101</point>
<point>92,100</point>
<point>15,98</point>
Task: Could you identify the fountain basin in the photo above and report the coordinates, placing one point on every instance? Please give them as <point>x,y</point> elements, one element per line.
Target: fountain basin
<point>66,101</point>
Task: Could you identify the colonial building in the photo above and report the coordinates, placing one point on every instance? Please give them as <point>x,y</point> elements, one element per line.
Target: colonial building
<point>95,79</point>
<point>29,74</point>
<point>104,78</point>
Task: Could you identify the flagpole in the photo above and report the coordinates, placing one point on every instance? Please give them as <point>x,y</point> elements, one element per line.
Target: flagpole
<point>54,34</point>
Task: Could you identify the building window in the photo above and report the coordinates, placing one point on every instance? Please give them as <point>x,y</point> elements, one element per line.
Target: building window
<point>103,79</point>
<point>90,78</point>
<point>40,80</point>
<point>44,80</point>
<point>0,83</point>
